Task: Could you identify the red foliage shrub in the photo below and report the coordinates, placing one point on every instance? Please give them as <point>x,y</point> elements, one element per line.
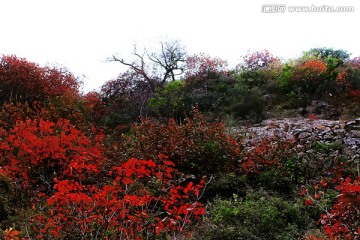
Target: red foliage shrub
<point>343,220</point>
<point>313,67</point>
<point>341,78</point>
<point>349,79</point>
<point>309,77</point>
<point>21,79</point>
<point>196,147</point>
<point>94,106</point>
<point>265,154</point>
<point>200,67</point>
<point>310,72</point>
<point>15,111</point>
<point>11,234</point>
<point>35,151</point>
<point>141,200</point>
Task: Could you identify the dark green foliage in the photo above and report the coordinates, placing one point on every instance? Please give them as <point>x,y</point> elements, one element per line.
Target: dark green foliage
<point>269,180</point>
<point>126,99</point>
<point>5,198</point>
<point>211,95</point>
<point>327,148</point>
<point>171,101</point>
<point>324,53</point>
<point>227,184</point>
<point>249,106</point>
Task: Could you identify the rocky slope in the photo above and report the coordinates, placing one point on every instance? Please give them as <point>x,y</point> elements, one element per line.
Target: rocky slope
<point>343,133</point>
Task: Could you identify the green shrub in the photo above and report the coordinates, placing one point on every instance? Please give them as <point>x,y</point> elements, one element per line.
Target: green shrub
<point>258,216</point>
<point>170,101</point>
<point>249,106</point>
<point>225,185</point>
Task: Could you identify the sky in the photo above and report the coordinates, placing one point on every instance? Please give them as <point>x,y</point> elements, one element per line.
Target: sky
<point>82,34</point>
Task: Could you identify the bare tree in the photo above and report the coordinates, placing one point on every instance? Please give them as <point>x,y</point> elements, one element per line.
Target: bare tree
<point>157,67</point>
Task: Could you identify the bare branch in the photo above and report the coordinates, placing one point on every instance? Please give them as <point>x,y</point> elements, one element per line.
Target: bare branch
<point>157,68</point>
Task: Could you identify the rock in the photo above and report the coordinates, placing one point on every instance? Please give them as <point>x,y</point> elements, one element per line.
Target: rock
<point>326,130</point>
<point>355,133</point>
<point>340,132</point>
<point>355,127</point>
<point>336,127</point>
<point>328,137</point>
<point>343,133</point>
<point>320,127</point>
<point>272,126</point>
<point>349,141</point>
<point>349,124</point>
<point>304,135</point>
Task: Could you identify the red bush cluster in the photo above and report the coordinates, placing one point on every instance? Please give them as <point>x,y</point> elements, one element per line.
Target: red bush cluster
<point>141,199</point>
<point>21,79</point>
<point>77,194</point>
<point>196,147</point>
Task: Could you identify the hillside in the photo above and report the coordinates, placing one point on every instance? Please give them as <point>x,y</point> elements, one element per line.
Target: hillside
<point>182,147</point>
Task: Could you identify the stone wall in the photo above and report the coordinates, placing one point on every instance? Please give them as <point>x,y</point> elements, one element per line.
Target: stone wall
<point>346,133</point>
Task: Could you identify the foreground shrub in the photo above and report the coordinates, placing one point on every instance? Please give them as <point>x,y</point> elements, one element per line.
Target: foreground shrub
<point>340,219</point>
<point>140,200</point>
<point>343,221</point>
<point>258,216</point>
<point>34,152</point>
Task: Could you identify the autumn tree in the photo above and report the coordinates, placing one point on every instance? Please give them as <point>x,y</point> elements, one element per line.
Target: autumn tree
<point>156,67</point>
<point>207,81</point>
<point>349,79</point>
<point>258,69</point>
<point>202,66</point>
<point>171,101</point>
<point>258,59</point>
<point>126,99</point>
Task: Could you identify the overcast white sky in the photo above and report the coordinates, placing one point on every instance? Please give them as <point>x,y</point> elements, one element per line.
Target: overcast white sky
<point>81,34</point>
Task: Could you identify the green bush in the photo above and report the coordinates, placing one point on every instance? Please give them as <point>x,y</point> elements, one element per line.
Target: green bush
<point>170,101</point>
<point>258,216</point>
<point>225,185</point>
<point>249,106</point>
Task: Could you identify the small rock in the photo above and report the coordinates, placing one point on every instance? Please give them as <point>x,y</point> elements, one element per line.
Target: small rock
<point>355,133</point>
<point>320,127</point>
<point>349,141</point>
<point>328,137</point>
<point>349,124</point>
<point>304,135</point>
<point>326,130</point>
<point>272,126</point>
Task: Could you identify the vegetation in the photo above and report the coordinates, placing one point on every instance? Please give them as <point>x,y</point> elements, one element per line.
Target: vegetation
<point>151,155</point>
